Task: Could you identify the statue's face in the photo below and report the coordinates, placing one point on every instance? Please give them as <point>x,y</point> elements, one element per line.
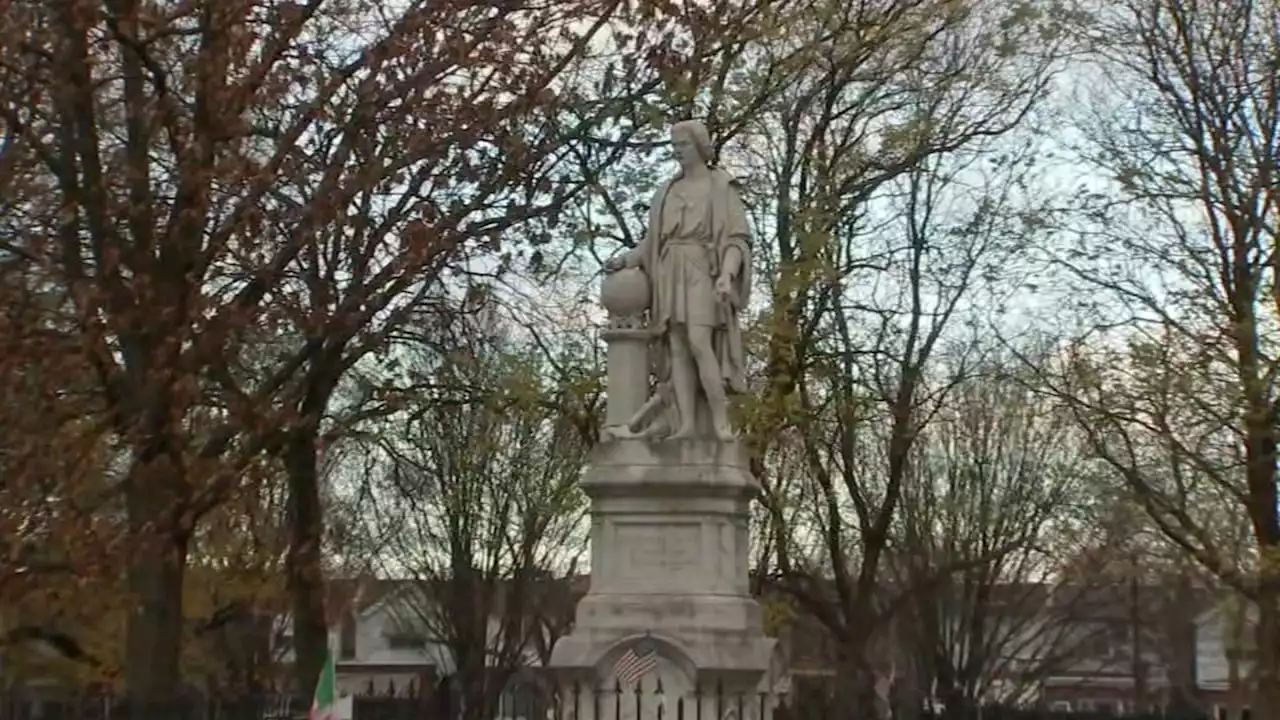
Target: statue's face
<point>686,149</point>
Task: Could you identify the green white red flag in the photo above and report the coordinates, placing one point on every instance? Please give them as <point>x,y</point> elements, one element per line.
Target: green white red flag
<point>324,702</point>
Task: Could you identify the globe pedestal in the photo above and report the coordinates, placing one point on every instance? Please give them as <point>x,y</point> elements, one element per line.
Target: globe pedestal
<point>625,295</point>
<point>628,374</point>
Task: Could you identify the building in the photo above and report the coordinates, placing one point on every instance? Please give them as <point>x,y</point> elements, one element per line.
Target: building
<point>388,637</point>
<point>1225,652</point>
<point>1117,648</point>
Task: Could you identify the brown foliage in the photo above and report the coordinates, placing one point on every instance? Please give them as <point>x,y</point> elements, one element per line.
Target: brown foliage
<point>51,455</point>
<point>219,194</point>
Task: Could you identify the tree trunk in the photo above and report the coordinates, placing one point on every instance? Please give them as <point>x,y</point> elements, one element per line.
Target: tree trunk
<point>846,691</point>
<point>304,571</point>
<point>1235,689</point>
<point>1266,674</point>
<point>855,694</point>
<point>155,574</point>
<point>475,693</point>
<point>1180,629</point>
<point>1138,666</point>
<point>955,705</point>
<point>908,696</point>
<point>1234,649</point>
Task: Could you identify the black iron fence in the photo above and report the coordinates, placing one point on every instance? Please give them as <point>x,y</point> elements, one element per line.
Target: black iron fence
<point>533,702</point>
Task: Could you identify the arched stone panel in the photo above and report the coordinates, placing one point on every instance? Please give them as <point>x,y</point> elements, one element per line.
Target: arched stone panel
<point>671,679</point>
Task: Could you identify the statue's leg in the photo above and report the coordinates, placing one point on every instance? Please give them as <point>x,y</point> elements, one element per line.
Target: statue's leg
<point>684,380</point>
<point>709,378</point>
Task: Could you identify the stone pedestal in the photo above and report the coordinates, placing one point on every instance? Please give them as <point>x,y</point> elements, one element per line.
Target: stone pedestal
<point>628,372</point>
<point>669,563</point>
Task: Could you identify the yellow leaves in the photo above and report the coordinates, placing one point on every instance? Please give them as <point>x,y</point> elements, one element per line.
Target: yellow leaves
<point>1269,563</point>
<point>520,388</point>
<point>209,586</point>
<point>207,594</point>
<point>955,11</point>
<point>1020,13</point>
<point>86,613</point>
<point>777,614</point>
<point>901,138</point>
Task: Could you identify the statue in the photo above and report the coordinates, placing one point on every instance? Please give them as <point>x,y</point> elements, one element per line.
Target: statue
<point>697,256</point>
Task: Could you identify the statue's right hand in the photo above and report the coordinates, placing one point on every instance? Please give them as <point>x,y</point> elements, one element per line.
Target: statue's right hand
<point>615,263</point>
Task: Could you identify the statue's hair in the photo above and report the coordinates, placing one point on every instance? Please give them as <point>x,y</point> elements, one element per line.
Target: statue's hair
<point>701,138</point>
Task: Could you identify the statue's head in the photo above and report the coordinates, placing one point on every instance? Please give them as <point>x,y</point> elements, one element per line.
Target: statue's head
<point>692,144</point>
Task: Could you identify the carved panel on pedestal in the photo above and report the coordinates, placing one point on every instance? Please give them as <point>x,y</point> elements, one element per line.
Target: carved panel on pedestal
<point>659,552</point>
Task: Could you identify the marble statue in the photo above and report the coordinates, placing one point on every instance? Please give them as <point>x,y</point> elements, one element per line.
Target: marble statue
<point>670,485</point>
<point>696,255</point>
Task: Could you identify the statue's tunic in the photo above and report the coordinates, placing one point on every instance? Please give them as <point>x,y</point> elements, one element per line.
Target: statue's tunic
<point>691,227</point>
<point>686,260</point>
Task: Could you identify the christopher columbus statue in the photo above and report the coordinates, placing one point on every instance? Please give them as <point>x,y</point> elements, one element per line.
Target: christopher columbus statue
<point>697,255</point>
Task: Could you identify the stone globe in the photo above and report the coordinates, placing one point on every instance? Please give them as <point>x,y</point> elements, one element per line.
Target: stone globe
<point>625,293</point>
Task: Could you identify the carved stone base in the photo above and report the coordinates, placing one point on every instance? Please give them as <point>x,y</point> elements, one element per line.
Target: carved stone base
<point>669,562</point>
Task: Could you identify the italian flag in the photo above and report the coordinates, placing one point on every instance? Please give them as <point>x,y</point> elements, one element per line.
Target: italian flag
<point>324,703</point>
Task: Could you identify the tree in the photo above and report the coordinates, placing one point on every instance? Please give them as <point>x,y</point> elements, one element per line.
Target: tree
<point>479,493</point>
<point>991,511</point>
<point>1163,590</point>
<point>190,178</point>
<point>880,257</point>
<point>1173,260</point>
<point>235,585</point>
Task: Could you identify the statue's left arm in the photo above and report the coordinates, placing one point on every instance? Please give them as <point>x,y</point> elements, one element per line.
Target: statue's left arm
<point>735,283</point>
<point>736,248</point>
